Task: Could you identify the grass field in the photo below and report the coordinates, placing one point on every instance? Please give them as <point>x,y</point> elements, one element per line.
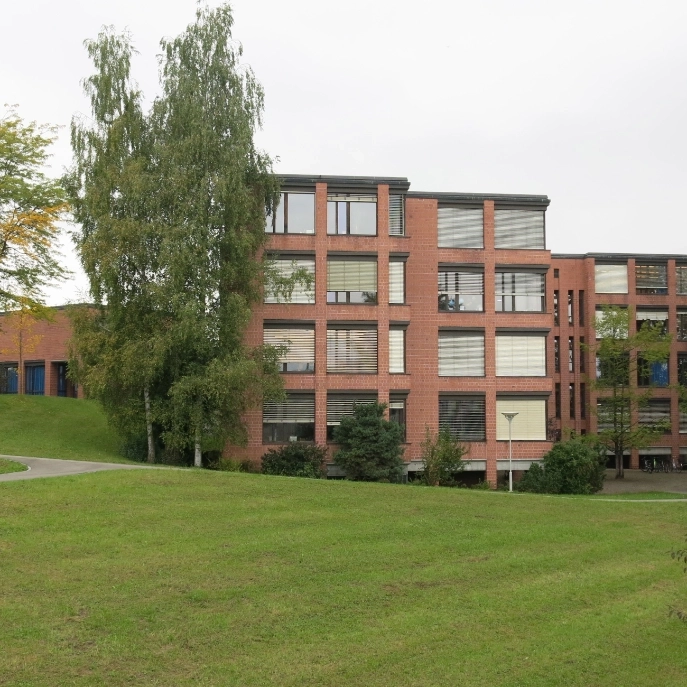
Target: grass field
<point>50,427</point>
<point>199,578</point>
<point>10,466</point>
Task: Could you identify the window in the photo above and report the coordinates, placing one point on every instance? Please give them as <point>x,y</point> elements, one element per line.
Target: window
<point>61,379</point>
<point>571,354</point>
<point>34,383</point>
<point>460,227</point>
<point>682,326</point>
<point>656,411</point>
<point>583,401</point>
<point>295,215</point>
<point>556,313</point>
<point>682,427</point>
<point>397,282</point>
<point>460,290</point>
<point>607,409</point>
<point>613,370</point>
<point>583,366</point>
<point>528,425</point>
<point>397,350</point>
<point>519,229</point>
<point>556,353</point>
<point>396,215</point>
<point>682,368</point>
<point>570,307</point>
<point>397,411</point>
<point>298,344</point>
<point>651,279</point>
<point>655,318</point>
<point>351,214</point>
<point>520,355</point>
<point>610,278</point>
<point>464,416</point>
<point>352,281</point>
<point>557,394</point>
<point>681,278</point>
<point>519,292</point>
<point>461,354</point>
<point>601,328</point>
<point>343,405</point>
<point>284,269</point>
<point>291,420</point>
<point>651,374</point>
<point>556,273</point>
<point>571,393</point>
<point>8,378</point>
<point>352,351</point>
<point>581,306</point>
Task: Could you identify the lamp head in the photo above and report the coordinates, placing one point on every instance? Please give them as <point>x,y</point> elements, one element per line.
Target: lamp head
<point>509,416</point>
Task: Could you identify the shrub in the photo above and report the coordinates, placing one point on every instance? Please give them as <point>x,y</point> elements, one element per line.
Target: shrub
<point>296,459</point>
<point>576,466</point>
<point>442,459</point>
<point>371,447</point>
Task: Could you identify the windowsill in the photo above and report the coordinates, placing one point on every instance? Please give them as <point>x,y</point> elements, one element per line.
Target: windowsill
<point>453,312</point>
<point>359,236</point>
<point>522,312</point>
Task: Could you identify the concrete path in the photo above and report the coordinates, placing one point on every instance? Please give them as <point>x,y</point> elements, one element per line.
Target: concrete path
<point>54,467</point>
<point>636,481</point>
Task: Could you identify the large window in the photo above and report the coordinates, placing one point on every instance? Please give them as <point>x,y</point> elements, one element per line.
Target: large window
<point>681,278</point>
<point>520,355</point>
<point>291,420</point>
<point>351,214</point>
<point>397,350</point>
<point>520,292</point>
<point>343,405</point>
<point>519,229</point>
<point>610,278</point>
<point>297,344</point>
<point>461,290</point>
<point>397,278</point>
<point>656,411</point>
<point>295,215</point>
<point>463,416</point>
<point>461,354</point>
<point>681,326</point>
<point>8,378</point>
<point>396,215</point>
<point>352,351</point>
<point>352,281</point>
<point>284,269</point>
<point>34,383</point>
<point>651,373</point>
<point>528,425</point>
<point>651,279</point>
<point>460,227</point>
<point>654,318</point>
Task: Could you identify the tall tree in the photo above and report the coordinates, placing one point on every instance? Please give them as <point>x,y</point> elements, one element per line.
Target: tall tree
<point>621,356</point>
<point>31,205</point>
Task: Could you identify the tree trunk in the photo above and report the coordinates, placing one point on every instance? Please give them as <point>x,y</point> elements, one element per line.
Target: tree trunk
<point>197,459</point>
<point>149,425</point>
<point>619,470</point>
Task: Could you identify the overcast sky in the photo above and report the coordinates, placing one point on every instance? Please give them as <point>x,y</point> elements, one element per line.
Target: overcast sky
<point>584,102</point>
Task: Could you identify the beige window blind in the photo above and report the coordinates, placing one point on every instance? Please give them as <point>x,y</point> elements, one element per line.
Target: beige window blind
<point>460,227</point>
<point>352,275</point>
<point>528,425</point>
<point>461,354</point>
<point>397,354</point>
<point>301,293</point>
<point>519,229</point>
<point>352,351</point>
<point>396,215</point>
<point>299,345</point>
<point>397,271</point>
<point>520,355</point>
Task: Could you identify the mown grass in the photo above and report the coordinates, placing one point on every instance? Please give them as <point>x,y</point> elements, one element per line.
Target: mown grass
<point>51,427</point>
<point>199,578</point>
<point>10,466</point>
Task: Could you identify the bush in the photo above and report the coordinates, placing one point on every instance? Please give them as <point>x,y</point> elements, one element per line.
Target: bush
<point>296,459</point>
<point>576,466</point>
<point>442,459</point>
<point>371,447</point>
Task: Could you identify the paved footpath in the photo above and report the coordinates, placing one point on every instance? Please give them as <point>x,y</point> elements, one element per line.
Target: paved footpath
<point>636,481</point>
<point>54,467</point>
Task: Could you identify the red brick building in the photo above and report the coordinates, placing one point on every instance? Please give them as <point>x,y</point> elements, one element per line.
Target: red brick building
<point>446,306</point>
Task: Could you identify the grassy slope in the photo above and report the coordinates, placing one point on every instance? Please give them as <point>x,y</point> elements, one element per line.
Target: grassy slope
<point>10,466</point>
<point>50,427</point>
<point>180,578</point>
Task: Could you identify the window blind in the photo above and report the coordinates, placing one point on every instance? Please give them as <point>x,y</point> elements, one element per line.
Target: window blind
<point>519,229</point>
<point>610,278</point>
<point>651,278</point>
<point>352,275</point>
<point>285,269</point>
<point>528,425</point>
<point>397,282</point>
<point>343,405</point>
<point>299,355</point>
<point>681,274</point>
<point>352,351</point>
<point>297,408</point>
<point>460,227</point>
<point>464,416</point>
<point>652,315</point>
<point>657,410</point>
<point>396,215</point>
<point>521,292</point>
<point>460,290</point>
<point>461,354</point>
<point>397,354</point>
<point>520,356</point>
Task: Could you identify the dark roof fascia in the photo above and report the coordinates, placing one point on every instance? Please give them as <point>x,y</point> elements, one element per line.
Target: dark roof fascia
<point>500,199</point>
<point>619,257</point>
<point>343,182</point>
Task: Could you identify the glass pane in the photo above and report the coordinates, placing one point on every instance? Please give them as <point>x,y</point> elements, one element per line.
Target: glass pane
<point>363,219</point>
<point>342,217</point>
<point>331,217</point>
<point>279,224</point>
<point>301,218</point>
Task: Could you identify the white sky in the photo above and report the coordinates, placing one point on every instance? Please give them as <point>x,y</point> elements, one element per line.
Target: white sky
<point>584,102</point>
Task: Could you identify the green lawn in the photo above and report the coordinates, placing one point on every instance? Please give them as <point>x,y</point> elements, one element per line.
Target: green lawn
<point>10,466</point>
<point>51,427</point>
<point>167,577</point>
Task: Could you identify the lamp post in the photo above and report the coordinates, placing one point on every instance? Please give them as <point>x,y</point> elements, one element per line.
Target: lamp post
<point>509,417</point>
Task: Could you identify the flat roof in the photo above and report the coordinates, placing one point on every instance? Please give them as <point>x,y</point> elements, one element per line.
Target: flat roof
<point>618,257</point>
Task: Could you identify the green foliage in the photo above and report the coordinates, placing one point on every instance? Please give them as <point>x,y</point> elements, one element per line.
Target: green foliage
<point>296,459</point>
<point>371,446</point>
<point>442,459</point>
<point>575,466</point>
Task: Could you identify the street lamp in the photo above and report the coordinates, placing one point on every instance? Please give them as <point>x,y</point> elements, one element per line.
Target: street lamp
<point>509,417</point>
